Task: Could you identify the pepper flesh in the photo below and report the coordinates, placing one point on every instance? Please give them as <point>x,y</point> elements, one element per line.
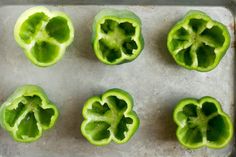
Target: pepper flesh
<point>197,42</point>
<point>117,36</point>
<point>109,117</point>
<point>43,35</point>
<point>27,113</point>
<point>202,123</point>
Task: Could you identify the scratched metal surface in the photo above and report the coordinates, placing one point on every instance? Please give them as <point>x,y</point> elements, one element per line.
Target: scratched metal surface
<point>154,80</point>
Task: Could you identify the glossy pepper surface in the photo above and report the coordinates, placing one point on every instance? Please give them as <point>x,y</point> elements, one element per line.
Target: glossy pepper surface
<point>27,113</point>
<point>117,36</point>
<point>109,117</point>
<point>44,35</point>
<point>197,42</point>
<point>202,123</point>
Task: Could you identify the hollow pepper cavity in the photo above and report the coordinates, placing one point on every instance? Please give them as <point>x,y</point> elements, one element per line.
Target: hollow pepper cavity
<point>109,117</point>
<point>27,113</point>
<point>117,36</point>
<point>197,42</point>
<point>44,35</point>
<point>202,123</point>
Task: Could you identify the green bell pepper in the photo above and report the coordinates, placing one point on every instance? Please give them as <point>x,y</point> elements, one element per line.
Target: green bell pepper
<point>202,123</point>
<point>109,117</point>
<point>43,35</point>
<point>117,36</point>
<point>197,42</point>
<point>27,113</point>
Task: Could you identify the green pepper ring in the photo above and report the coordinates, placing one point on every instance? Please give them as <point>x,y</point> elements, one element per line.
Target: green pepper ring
<point>129,113</point>
<point>119,16</point>
<point>15,123</point>
<point>183,23</point>
<point>27,50</point>
<point>181,123</point>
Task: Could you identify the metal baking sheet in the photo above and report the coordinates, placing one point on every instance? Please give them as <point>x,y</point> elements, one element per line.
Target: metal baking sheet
<point>153,79</point>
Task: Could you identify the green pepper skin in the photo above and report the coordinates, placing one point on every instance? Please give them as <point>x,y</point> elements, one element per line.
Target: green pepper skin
<point>197,42</point>
<point>43,35</point>
<point>117,36</point>
<point>109,117</point>
<point>27,113</point>
<point>202,123</point>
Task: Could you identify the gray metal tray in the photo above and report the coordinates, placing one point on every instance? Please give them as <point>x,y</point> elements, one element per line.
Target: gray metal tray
<point>154,80</point>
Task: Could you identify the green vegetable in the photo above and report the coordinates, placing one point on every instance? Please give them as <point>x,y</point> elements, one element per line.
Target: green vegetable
<point>117,36</point>
<point>27,113</point>
<point>43,35</point>
<point>202,123</point>
<point>109,117</point>
<point>197,42</point>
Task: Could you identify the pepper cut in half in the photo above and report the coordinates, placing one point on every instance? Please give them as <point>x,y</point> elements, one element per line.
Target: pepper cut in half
<point>117,36</point>
<point>197,42</point>
<point>27,113</point>
<point>109,117</point>
<point>202,123</point>
<point>44,35</point>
